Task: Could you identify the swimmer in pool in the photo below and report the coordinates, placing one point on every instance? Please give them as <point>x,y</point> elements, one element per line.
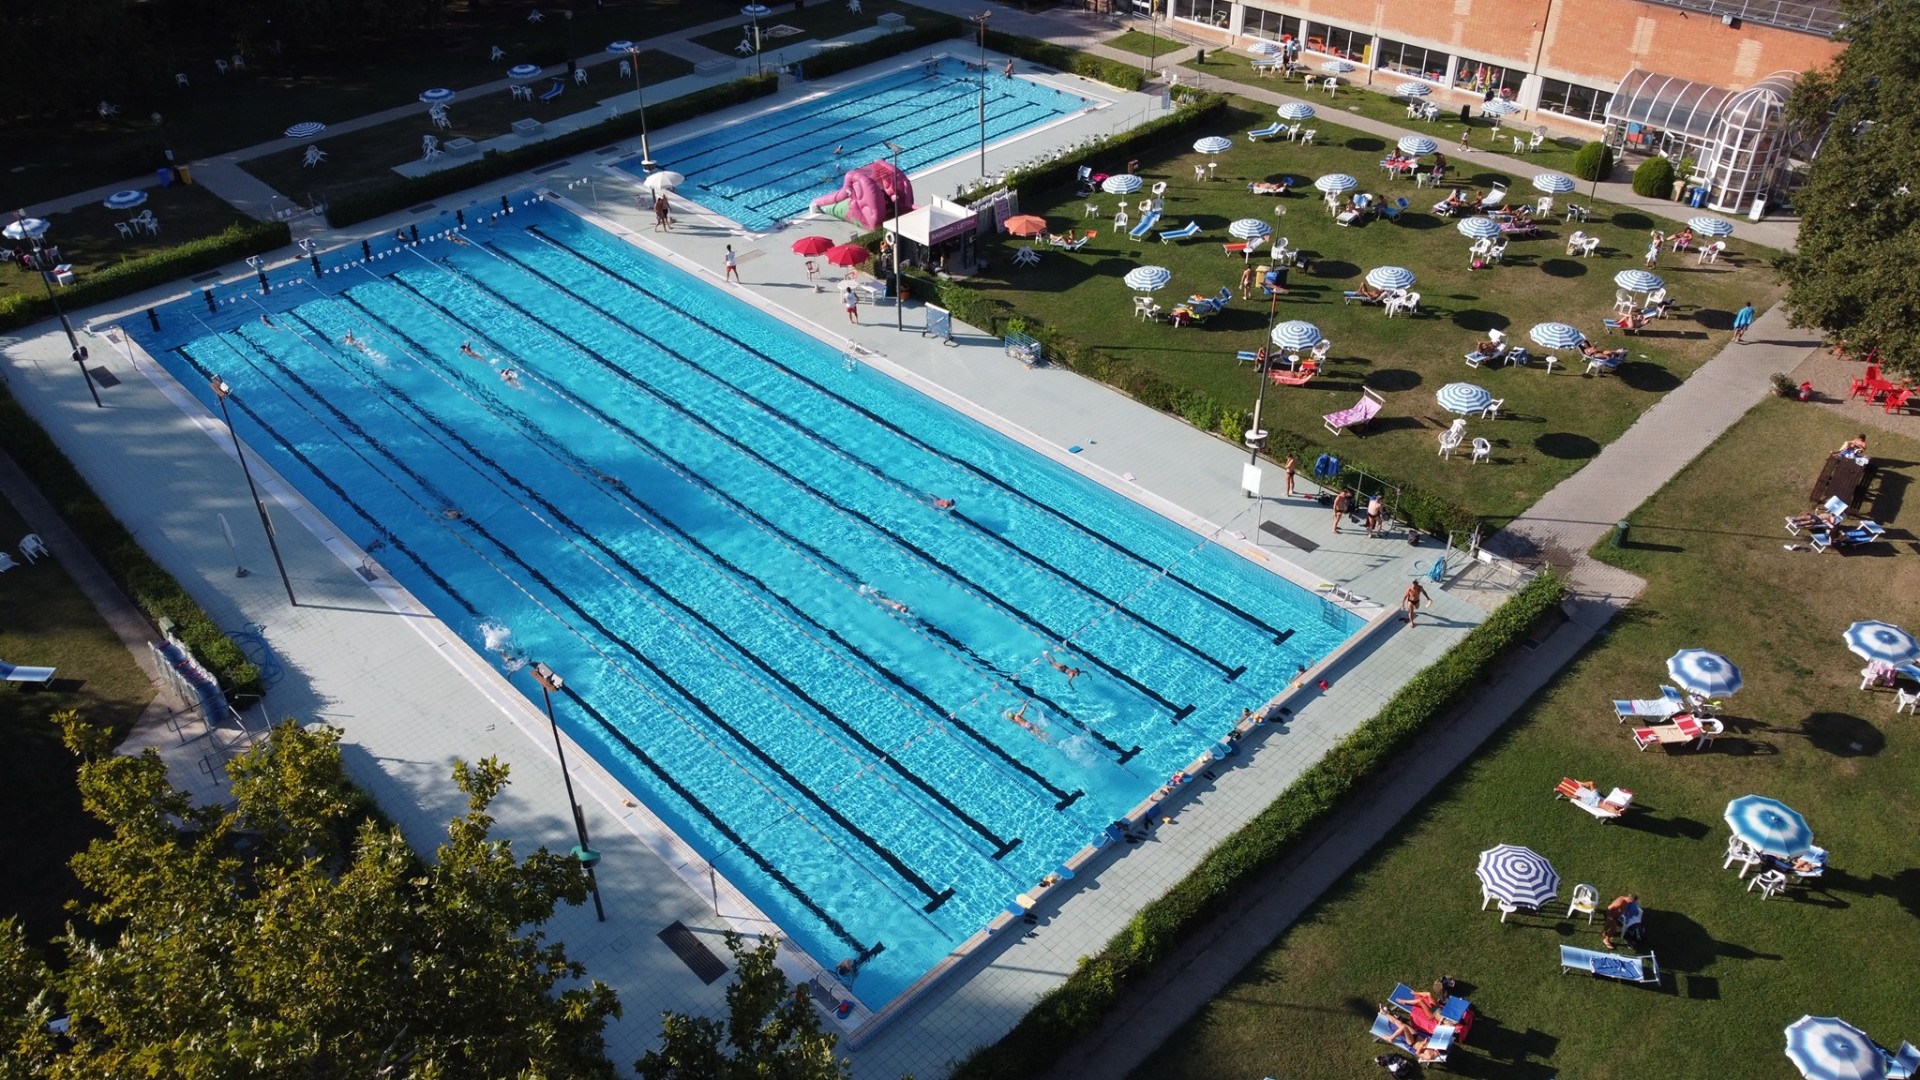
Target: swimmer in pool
<point>452,513</point>
<point>467,349</point>
<point>1071,673</point>
<point>268,323</point>
<point>457,239</point>
<point>939,503</point>
<point>1020,717</point>
<point>868,590</point>
<point>510,377</point>
<point>351,340</point>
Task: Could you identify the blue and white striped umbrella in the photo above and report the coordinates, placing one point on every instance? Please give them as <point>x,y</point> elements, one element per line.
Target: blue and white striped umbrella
<point>1769,826</point>
<point>306,130</point>
<point>621,46</point>
<point>1499,107</point>
<point>1417,145</point>
<point>1413,89</point>
<point>1553,183</point>
<point>1336,67</point>
<point>439,95</point>
<point>1335,183</point>
<point>1296,334</point>
<point>1390,277</point>
<point>756,11</point>
<point>1479,228</point>
<point>1294,110</point>
<point>1829,1048</point>
<point>1638,280</point>
<point>1556,335</point>
<point>125,200</point>
<point>1463,398</point>
<point>1213,144</point>
<point>1520,876</point>
<point>1249,227</point>
<point>1148,278</point>
<point>1880,641</point>
<point>26,228</point>
<point>1710,226</point>
<point>523,71</point>
<point>1266,48</point>
<point>1122,184</point>
<point>1705,673</point>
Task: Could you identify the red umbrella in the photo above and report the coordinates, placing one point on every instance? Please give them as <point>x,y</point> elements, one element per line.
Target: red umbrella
<point>1026,225</point>
<point>848,255</point>
<point>811,245</point>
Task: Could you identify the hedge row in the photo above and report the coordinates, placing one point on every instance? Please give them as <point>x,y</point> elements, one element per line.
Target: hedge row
<point>1118,73</point>
<point>1077,1007</point>
<point>398,195</point>
<point>929,28</point>
<point>162,267</point>
<point>153,589</point>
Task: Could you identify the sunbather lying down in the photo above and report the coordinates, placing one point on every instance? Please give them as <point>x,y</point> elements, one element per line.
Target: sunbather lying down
<point>1260,187</point>
<point>1405,1036</point>
<point>1589,796</point>
<point>1820,519</point>
<point>1594,352</point>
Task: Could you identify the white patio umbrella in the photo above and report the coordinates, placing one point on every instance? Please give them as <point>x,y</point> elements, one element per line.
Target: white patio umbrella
<point>1499,107</point>
<point>1638,280</point>
<point>1336,67</point>
<point>1266,48</point>
<point>439,95</point>
<point>1463,398</point>
<point>1769,826</point>
<point>1247,228</point>
<point>1520,876</point>
<point>1294,110</point>
<point>26,228</point>
<point>1707,674</point>
<point>1478,228</point>
<point>756,11</point>
<point>1148,278</point>
<point>1296,334</point>
<point>1556,335</point>
<point>1122,184</point>
<point>1829,1048</point>
<point>621,46</point>
<point>1710,226</point>
<point>1335,183</point>
<point>1213,144</point>
<point>523,71</point>
<point>125,200</point>
<point>665,179</point>
<point>1417,145</point>
<point>1881,641</point>
<point>1413,89</point>
<point>1553,183</point>
<point>1390,277</point>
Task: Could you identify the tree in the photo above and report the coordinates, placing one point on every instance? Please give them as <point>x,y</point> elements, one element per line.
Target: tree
<point>298,936</point>
<point>1859,213</point>
<point>772,1031</point>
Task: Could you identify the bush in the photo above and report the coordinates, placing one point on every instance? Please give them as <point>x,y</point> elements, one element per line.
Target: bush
<point>160,268</point>
<point>1593,162</point>
<point>150,587</point>
<point>1123,74</point>
<point>1075,1008</point>
<point>1654,178</point>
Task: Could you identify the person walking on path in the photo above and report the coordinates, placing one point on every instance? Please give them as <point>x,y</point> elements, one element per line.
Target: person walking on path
<point>660,212</point>
<point>1410,603</point>
<point>852,301</point>
<point>1741,320</point>
<point>733,268</point>
<point>1342,503</point>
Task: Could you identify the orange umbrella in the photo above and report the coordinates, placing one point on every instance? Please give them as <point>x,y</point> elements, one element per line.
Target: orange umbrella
<point>812,245</point>
<point>1026,225</point>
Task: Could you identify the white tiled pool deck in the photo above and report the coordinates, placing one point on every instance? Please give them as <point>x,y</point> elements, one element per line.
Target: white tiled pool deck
<point>411,696</point>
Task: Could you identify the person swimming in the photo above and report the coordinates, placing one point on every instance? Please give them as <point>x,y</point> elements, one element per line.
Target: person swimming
<point>510,377</point>
<point>467,349</point>
<point>1019,717</point>
<point>939,503</point>
<point>885,600</point>
<point>1071,673</point>
<point>267,322</point>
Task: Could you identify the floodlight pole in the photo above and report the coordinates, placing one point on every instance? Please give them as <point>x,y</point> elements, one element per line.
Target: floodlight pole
<point>899,316</point>
<point>221,391</point>
<point>40,259</point>
<point>982,20</point>
<point>1256,439</point>
<point>549,682</point>
<point>646,155</point>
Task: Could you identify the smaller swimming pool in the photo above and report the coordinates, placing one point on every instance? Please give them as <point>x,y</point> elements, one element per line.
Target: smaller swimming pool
<point>768,169</point>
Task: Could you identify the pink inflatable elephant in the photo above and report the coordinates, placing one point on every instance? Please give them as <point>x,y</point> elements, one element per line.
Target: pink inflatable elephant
<point>868,195</point>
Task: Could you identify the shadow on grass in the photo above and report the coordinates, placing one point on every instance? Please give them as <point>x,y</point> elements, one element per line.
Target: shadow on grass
<point>1393,380</point>
<point>1566,446</point>
<point>1671,828</point>
<point>1685,945</point>
<point>1480,319</point>
<point>1842,734</point>
<point>1629,219</point>
<point>1642,375</point>
<point>1366,144</point>
<point>1886,490</point>
<point>1563,268</point>
<point>1501,1051</point>
<point>1335,269</point>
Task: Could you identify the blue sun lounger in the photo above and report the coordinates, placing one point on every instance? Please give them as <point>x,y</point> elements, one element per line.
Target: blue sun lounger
<point>1437,1044</point>
<point>32,676</point>
<point>1904,1064</point>
<point>1191,228</point>
<point>1274,128</point>
<point>1453,1010</point>
<point>553,91</point>
<point>1634,969</point>
<point>1146,225</point>
<point>1865,533</point>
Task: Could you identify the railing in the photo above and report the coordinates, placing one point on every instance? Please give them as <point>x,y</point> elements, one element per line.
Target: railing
<point>1814,18</point>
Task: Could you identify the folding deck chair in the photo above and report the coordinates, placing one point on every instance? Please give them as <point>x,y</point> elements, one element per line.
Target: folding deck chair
<point>1358,414</point>
<point>1606,965</point>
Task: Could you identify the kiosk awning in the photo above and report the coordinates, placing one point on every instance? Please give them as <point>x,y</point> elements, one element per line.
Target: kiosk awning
<point>935,223</point>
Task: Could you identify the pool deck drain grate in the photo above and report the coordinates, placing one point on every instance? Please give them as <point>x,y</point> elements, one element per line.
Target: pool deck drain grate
<point>694,952</point>
<point>1288,536</point>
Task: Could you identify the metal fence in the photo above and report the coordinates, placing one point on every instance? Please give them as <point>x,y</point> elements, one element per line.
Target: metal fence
<point>1822,19</point>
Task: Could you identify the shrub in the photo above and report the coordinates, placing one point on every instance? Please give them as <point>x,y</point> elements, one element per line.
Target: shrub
<point>153,589</point>
<point>1654,178</point>
<point>237,241</point>
<point>1077,1007</point>
<point>1593,162</point>
<point>1120,73</point>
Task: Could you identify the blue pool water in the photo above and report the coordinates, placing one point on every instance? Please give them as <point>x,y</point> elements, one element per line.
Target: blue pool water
<point>697,515</point>
<point>769,168</point>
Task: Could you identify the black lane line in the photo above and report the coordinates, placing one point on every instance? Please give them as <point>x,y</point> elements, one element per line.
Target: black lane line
<point>930,449</point>
<point>935,897</point>
<point>1065,798</point>
<point>985,595</point>
<point>878,755</point>
<point>467,605</point>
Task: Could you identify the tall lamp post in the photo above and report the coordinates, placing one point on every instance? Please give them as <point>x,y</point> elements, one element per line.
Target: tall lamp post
<point>982,20</point>
<point>633,61</point>
<point>753,11</point>
<point>1153,35</point>
<point>1256,437</point>
<point>221,391</point>
<point>549,682</point>
<point>899,317</point>
<point>32,230</point>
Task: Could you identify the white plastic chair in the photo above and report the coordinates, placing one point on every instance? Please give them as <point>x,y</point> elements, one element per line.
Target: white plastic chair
<point>1519,145</point>
<point>1482,450</point>
<point>32,547</point>
<point>1539,137</point>
<point>1160,189</point>
<point>1309,81</point>
<point>1332,84</point>
<point>579,76</point>
<point>1711,253</point>
<point>1543,206</point>
<point>1738,851</point>
<point>1306,137</point>
<point>6,562</point>
<point>853,6</point>
<point>1623,301</point>
<point>220,66</point>
<point>126,230</point>
<point>626,69</point>
<point>1492,411</point>
<point>1120,219</point>
<point>1905,702</point>
<point>1451,438</point>
<point>1769,882</point>
<point>1586,901</point>
<point>498,53</point>
<point>1486,898</point>
<point>1320,351</point>
<point>239,62</point>
<point>180,79</point>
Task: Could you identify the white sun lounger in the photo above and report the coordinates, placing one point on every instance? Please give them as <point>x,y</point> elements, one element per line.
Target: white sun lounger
<point>1636,969</point>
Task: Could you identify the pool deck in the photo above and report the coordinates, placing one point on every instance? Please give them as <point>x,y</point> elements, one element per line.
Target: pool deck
<point>411,697</point>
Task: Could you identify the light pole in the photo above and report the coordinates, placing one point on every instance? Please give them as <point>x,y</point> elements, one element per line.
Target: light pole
<point>1257,438</point>
<point>32,230</point>
<point>633,61</point>
<point>752,11</point>
<point>1153,37</point>
<point>982,20</point>
<point>589,858</point>
<point>221,391</point>
<point>899,317</point>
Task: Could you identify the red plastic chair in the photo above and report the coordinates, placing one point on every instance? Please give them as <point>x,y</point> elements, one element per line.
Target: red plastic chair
<point>1897,399</point>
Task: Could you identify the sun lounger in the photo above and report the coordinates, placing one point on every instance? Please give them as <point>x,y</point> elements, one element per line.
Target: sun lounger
<point>1637,969</point>
<point>1361,411</point>
<point>1453,1010</point>
<point>1684,729</point>
<point>1307,370</point>
<point>1265,132</point>
<point>1437,1044</point>
<point>1903,1065</point>
<point>1246,357</point>
<point>30,676</point>
<point>1587,797</point>
<point>554,91</point>
<point>1866,532</point>
<point>1659,708</point>
<point>1191,228</point>
<point>1146,225</point>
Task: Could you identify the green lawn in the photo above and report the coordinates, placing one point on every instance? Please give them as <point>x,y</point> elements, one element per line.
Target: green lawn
<point>88,239</point>
<point>45,621</point>
<point>1554,424</point>
<point>818,22</point>
<point>1738,968</point>
<point>1145,44</point>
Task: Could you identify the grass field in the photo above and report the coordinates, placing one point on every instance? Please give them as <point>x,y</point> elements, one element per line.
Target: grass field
<point>88,239</point>
<point>45,621</point>
<point>1738,968</point>
<point>1552,424</point>
<point>820,22</point>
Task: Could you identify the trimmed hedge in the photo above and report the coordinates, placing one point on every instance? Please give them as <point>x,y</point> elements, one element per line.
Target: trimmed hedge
<point>236,241</point>
<point>1118,73</point>
<point>1654,178</point>
<point>153,589</point>
<point>1594,161</point>
<point>400,194</point>
<point>929,28</point>
<point>1077,1007</point>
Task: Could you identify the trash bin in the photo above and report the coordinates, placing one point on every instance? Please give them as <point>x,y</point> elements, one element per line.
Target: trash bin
<point>186,173</point>
<point>1200,56</point>
<point>1620,534</point>
<point>1463,112</point>
<point>1698,199</point>
<point>1759,208</point>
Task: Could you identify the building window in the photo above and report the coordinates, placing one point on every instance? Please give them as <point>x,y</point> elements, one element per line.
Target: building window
<point>1481,76</point>
<point>1334,41</point>
<point>1572,99</point>
<point>1421,63</point>
<point>1270,25</point>
<point>1208,12</point>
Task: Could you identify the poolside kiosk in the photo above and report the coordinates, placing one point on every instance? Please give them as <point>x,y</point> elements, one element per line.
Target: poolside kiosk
<point>938,230</point>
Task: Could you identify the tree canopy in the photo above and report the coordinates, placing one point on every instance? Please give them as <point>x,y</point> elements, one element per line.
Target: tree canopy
<point>297,935</point>
<point>772,1031</point>
<point>1852,276</point>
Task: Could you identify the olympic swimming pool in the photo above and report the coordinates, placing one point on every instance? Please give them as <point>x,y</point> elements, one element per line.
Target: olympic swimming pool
<point>701,517</point>
<point>768,168</point>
